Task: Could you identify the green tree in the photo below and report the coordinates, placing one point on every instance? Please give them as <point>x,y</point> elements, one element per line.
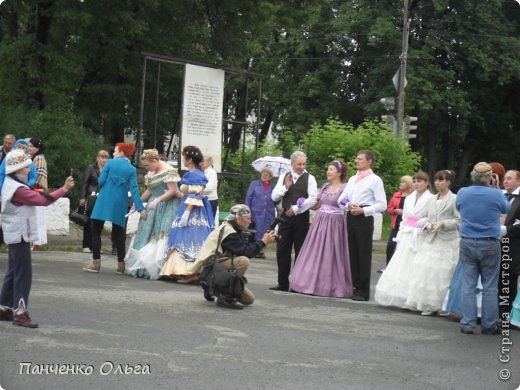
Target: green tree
<point>67,145</point>
<point>335,139</point>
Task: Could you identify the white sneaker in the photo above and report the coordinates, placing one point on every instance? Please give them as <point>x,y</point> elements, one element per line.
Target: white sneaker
<point>428,313</point>
<point>86,250</point>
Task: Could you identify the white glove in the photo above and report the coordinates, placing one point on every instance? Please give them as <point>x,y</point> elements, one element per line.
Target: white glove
<point>184,218</point>
<point>153,204</point>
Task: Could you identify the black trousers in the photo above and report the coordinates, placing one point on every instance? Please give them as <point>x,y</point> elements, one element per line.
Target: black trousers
<point>391,244</point>
<point>118,239</point>
<point>293,233</point>
<point>87,235</point>
<point>360,231</point>
<point>214,206</point>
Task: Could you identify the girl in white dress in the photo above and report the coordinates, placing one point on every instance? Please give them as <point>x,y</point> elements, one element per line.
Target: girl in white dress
<point>392,287</point>
<point>435,261</point>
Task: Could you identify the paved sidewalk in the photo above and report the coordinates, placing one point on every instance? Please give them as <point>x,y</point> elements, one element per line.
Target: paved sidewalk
<point>141,334</point>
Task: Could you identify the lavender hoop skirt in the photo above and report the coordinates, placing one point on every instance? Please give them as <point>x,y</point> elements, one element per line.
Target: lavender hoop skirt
<point>323,266</point>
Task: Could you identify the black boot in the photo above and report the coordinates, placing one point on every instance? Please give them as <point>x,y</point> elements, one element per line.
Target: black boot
<point>228,303</point>
<point>207,294</point>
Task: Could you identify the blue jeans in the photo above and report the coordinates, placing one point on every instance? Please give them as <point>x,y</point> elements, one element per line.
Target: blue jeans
<point>479,257</point>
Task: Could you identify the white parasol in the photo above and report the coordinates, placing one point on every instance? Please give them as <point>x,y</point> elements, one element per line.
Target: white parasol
<point>278,165</point>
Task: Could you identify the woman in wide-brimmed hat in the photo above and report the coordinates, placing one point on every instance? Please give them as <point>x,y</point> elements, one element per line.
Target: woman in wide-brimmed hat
<point>18,215</point>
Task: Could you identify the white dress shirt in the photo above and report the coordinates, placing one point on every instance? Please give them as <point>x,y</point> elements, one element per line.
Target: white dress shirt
<point>312,189</point>
<point>368,192</point>
<point>211,188</point>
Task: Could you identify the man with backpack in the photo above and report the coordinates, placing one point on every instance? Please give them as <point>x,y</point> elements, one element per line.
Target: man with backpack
<point>228,246</point>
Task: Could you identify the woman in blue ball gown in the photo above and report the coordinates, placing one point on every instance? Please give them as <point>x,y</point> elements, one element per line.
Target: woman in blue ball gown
<point>193,223</point>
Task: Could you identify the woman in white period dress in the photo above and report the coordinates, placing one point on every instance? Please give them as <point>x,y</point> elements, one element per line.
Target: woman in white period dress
<point>392,287</point>
<point>435,261</point>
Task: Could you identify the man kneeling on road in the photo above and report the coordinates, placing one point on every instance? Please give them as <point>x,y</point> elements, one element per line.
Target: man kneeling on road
<point>235,245</point>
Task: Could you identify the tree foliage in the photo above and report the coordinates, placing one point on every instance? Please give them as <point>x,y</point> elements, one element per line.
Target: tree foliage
<point>335,139</point>
<point>320,59</point>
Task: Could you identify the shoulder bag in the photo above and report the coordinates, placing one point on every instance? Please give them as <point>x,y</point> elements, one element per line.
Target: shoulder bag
<point>79,216</point>
<point>217,280</point>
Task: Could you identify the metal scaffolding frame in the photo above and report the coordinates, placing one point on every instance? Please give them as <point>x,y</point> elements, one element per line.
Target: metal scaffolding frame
<point>153,57</point>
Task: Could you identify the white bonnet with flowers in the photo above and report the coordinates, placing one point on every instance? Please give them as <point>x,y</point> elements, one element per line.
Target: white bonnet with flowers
<point>16,160</point>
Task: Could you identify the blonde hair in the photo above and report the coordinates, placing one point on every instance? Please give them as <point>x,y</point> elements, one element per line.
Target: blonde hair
<point>408,180</point>
<point>268,171</point>
<point>103,153</point>
<point>150,154</point>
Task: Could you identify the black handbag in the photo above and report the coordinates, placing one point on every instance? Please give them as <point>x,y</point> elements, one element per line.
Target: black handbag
<point>90,202</point>
<point>217,280</point>
<point>79,216</point>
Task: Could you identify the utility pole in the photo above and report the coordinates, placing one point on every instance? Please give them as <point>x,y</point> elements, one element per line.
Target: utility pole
<point>402,70</point>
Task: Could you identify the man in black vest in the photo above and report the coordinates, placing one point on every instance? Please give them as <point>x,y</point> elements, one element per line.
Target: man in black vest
<point>510,232</point>
<point>297,190</point>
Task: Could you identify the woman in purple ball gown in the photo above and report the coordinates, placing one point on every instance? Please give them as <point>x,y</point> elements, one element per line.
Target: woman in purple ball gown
<point>323,266</point>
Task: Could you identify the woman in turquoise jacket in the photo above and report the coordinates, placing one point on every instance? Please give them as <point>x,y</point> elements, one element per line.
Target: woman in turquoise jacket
<point>117,178</point>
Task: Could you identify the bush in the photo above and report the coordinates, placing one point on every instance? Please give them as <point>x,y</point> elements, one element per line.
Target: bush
<point>322,144</point>
<point>67,144</point>
<point>335,139</point>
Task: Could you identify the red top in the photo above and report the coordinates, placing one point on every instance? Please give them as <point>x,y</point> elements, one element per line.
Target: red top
<point>394,204</point>
<point>26,196</point>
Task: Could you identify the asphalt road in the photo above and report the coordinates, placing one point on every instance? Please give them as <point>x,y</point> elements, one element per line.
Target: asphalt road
<point>107,331</point>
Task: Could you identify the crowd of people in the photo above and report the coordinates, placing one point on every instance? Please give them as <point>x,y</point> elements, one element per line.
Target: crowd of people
<point>447,253</point>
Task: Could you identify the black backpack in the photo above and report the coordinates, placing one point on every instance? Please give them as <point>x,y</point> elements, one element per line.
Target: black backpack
<point>216,280</point>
